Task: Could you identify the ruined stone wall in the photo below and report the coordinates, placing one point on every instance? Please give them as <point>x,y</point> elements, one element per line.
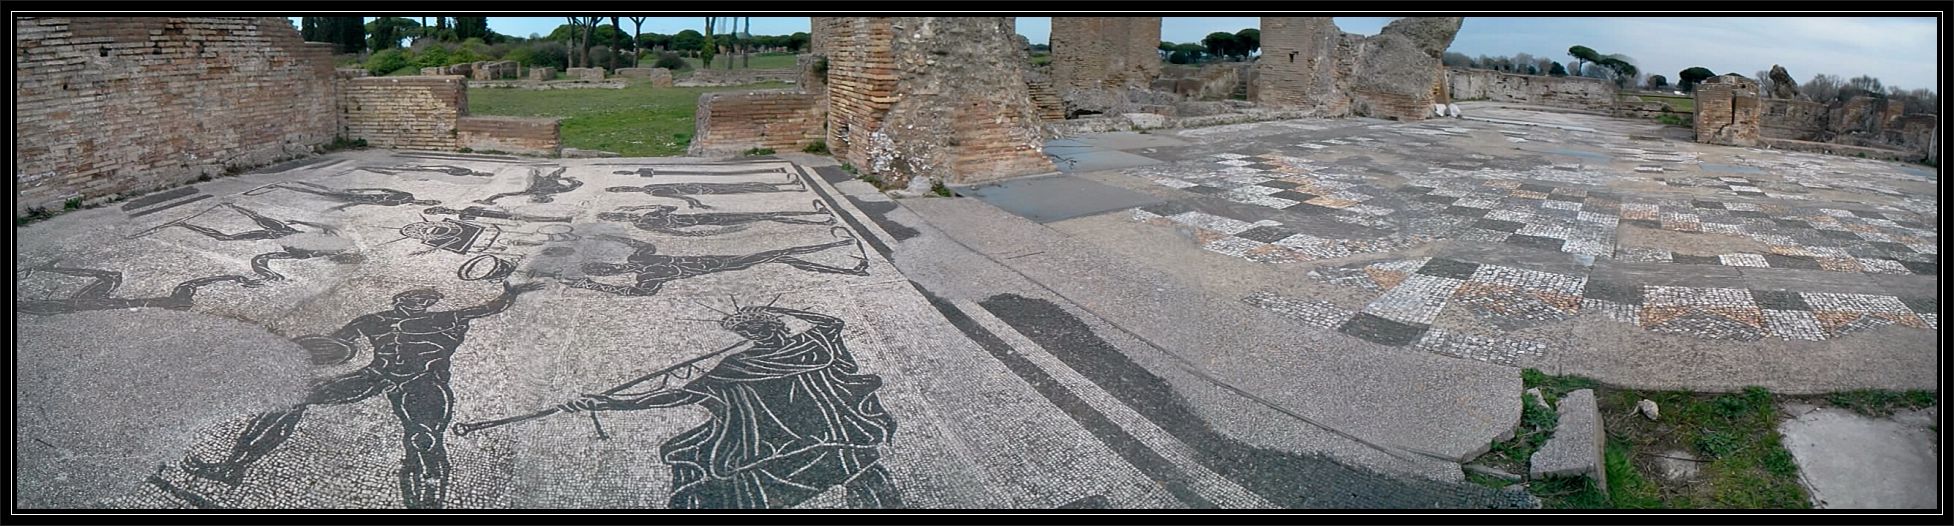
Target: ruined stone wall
<point>963,113</point>
<point>660,77</point>
<point>738,77</point>
<point>1801,120</point>
<point>1099,53</point>
<point>1728,111</point>
<point>521,135</point>
<point>496,70</point>
<point>418,113</point>
<point>106,106</point>
<point>1038,84</point>
<point>584,73</point>
<point>1307,63</point>
<point>1300,65</point>
<point>729,123</point>
<point>1563,92</point>
<point>1398,72</point>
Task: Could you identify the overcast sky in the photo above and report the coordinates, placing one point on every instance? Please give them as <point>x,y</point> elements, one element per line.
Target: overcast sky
<point>1900,51</point>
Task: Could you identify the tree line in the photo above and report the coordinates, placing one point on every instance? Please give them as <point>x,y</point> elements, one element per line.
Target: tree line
<point>392,43</point>
<point>1219,45</point>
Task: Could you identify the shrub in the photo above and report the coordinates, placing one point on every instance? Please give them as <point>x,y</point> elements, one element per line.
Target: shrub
<point>73,203</point>
<point>819,148</point>
<point>386,62</point>
<point>670,60</point>
<point>758,152</point>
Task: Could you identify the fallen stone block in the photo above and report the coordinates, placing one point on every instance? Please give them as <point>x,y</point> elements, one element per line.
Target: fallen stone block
<point>1575,449</point>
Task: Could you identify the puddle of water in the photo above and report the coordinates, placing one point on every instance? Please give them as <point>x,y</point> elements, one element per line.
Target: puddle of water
<point>1730,168</point>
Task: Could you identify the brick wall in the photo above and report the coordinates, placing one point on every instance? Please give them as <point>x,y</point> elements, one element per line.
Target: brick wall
<point>523,135</point>
<point>416,113</point>
<point>861,83</point>
<point>109,106</point>
<point>542,73</point>
<point>1097,52</point>
<point>660,77</point>
<point>584,73</point>
<point>1564,92</point>
<point>732,122</point>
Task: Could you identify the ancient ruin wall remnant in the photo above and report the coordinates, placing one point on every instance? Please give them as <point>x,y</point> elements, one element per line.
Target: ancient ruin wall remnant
<point>963,113</point>
<point>1728,111</point>
<point>1308,63</point>
<point>921,99</point>
<point>1096,58</point>
<point>1565,92</point>
<point>1782,85</point>
<point>111,105</point>
<point>1303,59</point>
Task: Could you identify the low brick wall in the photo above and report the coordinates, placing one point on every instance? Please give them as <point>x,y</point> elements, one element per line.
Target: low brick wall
<point>522,135</point>
<point>732,122</point>
<point>542,73</point>
<point>736,77</point>
<point>584,73</point>
<point>1840,149</point>
<point>405,112</point>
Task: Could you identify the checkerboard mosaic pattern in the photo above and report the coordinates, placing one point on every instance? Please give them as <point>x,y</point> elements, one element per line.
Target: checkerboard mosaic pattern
<point>1414,291</point>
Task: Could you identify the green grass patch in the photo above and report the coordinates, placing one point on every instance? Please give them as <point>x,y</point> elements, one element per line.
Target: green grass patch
<point>940,190</point>
<point>407,71</point>
<point>759,61</point>
<point>1671,120</point>
<point>819,148</point>
<point>756,152</point>
<point>1677,102</point>
<point>1744,463</point>
<point>1876,403</point>
<point>637,121</point>
<point>1536,425</point>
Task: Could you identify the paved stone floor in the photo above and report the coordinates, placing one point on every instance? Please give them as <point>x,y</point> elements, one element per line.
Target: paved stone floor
<point>468,331</point>
<point>1486,238</point>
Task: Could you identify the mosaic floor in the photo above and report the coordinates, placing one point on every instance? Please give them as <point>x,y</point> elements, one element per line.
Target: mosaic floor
<point>1347,204</point>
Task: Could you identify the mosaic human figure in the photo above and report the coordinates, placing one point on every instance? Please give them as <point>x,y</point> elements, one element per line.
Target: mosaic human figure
<point>654,270</point>
<point>412,348</point>
<point>352,197</point>
<point>96,295</point>
<point>542,188</point>
<point>268,227</point>
<point>792,416</point>
<point>685,191</point>
<point>660,219</point>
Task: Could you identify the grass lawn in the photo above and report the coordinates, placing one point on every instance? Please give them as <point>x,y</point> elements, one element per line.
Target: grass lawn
<point>759,61</point>
<point>638,121</point>
<point>1679,102</point>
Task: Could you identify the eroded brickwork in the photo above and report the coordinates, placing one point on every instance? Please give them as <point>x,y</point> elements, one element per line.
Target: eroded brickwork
<point>418,113</point>
<point>1728,111</point>
<point>962,113</point>
<point>1307,63</point>
<point>109,106</point>
<point>1565,92</point>
<point>729,123</point>
<point>861,83</point>
<point>1104,53</point>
